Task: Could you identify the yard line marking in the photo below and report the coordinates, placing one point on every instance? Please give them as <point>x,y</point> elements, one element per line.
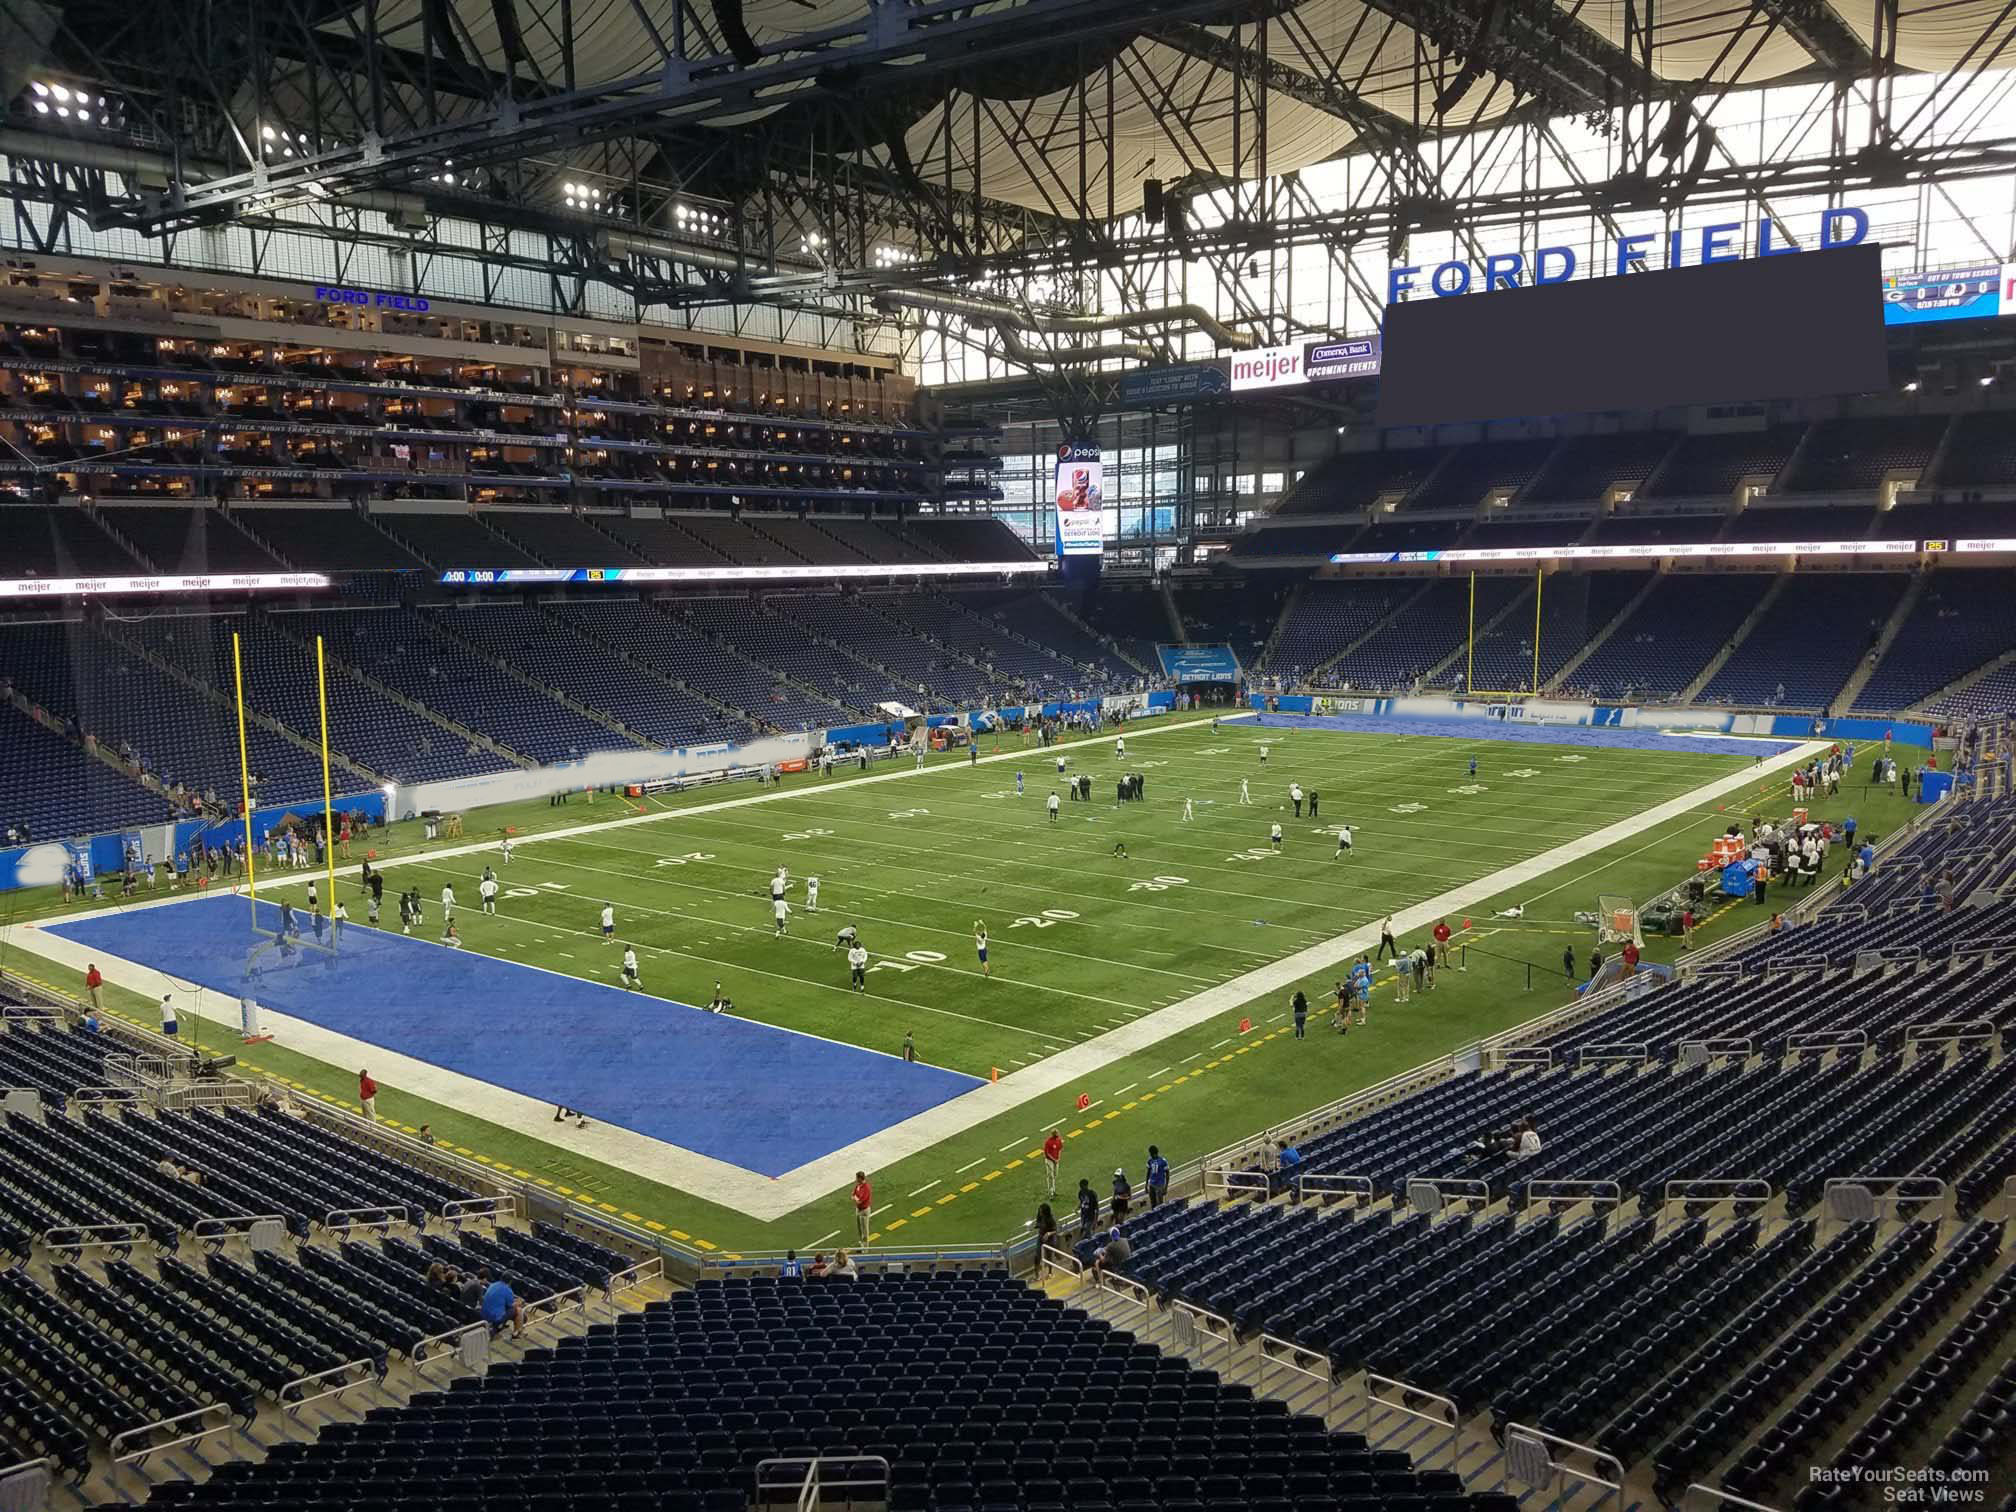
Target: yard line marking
<point>1153,1074</point>
<point>566,955</point>
<point>965,1168</point>
<point>878,1212</point>
<point>1011,1145</point>
<point>930,1184</point>
<point>822,1239</point>
<point>1198,1056</point>
<point>1221,1042</point>
<point>1126,1089</point>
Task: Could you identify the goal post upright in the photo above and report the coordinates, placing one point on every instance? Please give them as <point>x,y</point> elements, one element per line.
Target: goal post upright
<point>328,802</point>
<point>1539,583</point>
<point>244,774</point>
<point>1470,643</point>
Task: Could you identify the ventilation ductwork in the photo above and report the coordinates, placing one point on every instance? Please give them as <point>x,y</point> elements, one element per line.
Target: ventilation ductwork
<point>1002,314</point>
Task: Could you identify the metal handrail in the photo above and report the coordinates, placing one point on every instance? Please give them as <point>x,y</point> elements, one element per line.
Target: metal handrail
<point>1448,1189</point>
<point>1272,1358</point>
<point>506,1205</point>
<point>1545,1442</point>
<point>292,1405</point>
<point>1732,1189</point>
<point>1213,1328</point>
<point>1827,1039</point>
<point>1454,1422</point>
<point>1950,1032</point>
<point>233,1226</point>
<point>1740,1046</point>
<point>1725,1497</point>
<point>344,1220</point>
<point>1891,1191</point>
<point>1618,1052</point>
<point>1063,1260</point>
<point>109,1236</point>
<point>135,1456</point>
<point>1563,1189</point>
<point>1332,1184</point>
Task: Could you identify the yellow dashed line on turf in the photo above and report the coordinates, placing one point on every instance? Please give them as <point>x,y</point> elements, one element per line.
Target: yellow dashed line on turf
<point>990,1176</point>
<point>971,1186</point>
<point>895,1223</point>
<point>920,1212</point>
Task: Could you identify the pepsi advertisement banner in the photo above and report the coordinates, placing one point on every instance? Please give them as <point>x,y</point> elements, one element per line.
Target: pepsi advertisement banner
<point>1080,497</point>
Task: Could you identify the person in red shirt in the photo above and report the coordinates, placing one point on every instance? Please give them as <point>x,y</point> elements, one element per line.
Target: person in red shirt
<point>367,1095</point>
<point>93,980</point>
<point>1630,956</point>
<point>1687,930</point>
<point>1053,1152</point>
<point>1441,933</point>
<point>864,1201</point>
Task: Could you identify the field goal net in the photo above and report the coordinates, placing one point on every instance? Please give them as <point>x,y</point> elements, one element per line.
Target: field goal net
<point>1616,921</point>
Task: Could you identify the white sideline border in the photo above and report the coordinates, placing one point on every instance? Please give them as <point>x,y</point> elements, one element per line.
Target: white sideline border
<point>768,1198</point>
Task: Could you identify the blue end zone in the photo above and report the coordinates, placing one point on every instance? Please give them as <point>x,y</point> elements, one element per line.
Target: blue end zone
<point>1590,737</point>
<point>757,1097</point>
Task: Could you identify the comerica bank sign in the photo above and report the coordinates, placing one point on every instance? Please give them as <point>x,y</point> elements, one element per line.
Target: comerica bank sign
<point>1625,254</point>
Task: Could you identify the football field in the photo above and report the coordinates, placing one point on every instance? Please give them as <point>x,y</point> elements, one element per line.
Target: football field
<point>1125,942</point>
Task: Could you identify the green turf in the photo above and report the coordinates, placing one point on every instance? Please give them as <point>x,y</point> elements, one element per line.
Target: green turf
<point>913,863</point>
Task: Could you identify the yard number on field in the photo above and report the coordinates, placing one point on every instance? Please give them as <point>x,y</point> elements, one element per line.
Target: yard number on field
<point>689,856</point>
<point>1044,920</point>
<point>1157,884</point>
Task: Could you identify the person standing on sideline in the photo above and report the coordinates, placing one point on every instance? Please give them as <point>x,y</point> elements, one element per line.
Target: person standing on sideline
<point>339,919</point>
<point>1295,797</point>
<point>93,980</point>
<point>972,753</point>
<point>811,895</point>
<point>1299,1006</point>
<point>1473,766</point>
<point>980,947</point>
<point>1274,836</point>
<point>857,966</point>
<point>367,1095</point>
<point>1343,841</point>
<point>910,1047</point>
<point>1630,957</point>
<point>1053,805</point>
<point>1046,1236</point>
<point>1158,1177</point>
<point>1686,932</point>
<point>1053,1153</point>
<point>504,846</point>
<point>609,922</point>
<point>1245,794</point>
<point>1568,962</point>
<point>780,910</point>
<point>864,1202</point>
<point>1314,798</point>
<point>1018,784</point>
<point>1361,980</point>
<point>631,981</point>
<point>1386,940</point>
<point>448,902</point>
<point>1189,813</point>
<point>168,1025</point>
<point>487,888</point>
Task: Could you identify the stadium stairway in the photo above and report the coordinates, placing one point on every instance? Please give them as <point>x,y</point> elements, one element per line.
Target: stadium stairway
<point>586,631</point>
<point>1456,656</point>
<point>1720,659</point>
<point>442,625</point>
<point>283,624</point>
<point>1906,604</point>
<point>1384,621</point>
<point>308,741</point>
<point>1603,633</point>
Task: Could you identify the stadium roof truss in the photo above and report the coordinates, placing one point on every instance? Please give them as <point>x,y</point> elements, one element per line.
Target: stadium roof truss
<point>935,176</point>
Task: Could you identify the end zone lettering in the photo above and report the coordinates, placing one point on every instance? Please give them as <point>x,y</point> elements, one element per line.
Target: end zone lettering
<point>412,304</point>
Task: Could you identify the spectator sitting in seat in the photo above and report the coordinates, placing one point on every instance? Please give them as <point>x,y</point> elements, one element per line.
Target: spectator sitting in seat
<point>499,1303</point>
<point>1115,1251</point>
<point>818,1266</point>
<point>441,1275</point>
<point>191,1175</point>
<point>843,1265</point>
<point>470,1289</point>
<point>168,1168</point>
<point>1528,1144</point>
